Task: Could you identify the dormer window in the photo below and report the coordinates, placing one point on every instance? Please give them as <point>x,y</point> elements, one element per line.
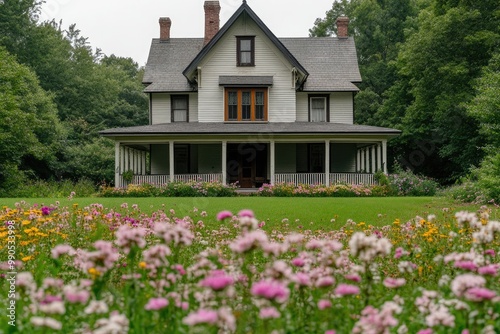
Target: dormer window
<point>245,52</point>
<point>318,108</point>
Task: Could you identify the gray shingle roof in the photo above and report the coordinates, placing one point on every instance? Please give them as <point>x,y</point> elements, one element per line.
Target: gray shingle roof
<point>331,62</point>
<point>183,128</point>
<point>166,61</point>
<point>244,80</point>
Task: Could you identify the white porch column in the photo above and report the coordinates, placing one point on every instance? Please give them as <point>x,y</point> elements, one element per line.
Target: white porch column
<point>143,163</point>
<point>384,155</point>
<point>358,160</point>
<point>224,161</point>
<point>373,159</point>
<point>362,156</point>
<point>272,155</point>
<point>122,159</point>
<point>126,165</point>
<point>379,157</point>
<point>327,163</point>
<point>367,160</point>
<point>171,159</point>
<point>134,161</point>
<point>117,164</point>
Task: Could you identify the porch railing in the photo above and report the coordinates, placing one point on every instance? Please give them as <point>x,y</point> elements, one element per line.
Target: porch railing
<point>352,178</point>
<point>300,178</point>
<point>213,177</point>
<point>153,179</point>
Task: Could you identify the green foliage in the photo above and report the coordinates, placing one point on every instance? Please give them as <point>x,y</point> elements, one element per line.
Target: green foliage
<point>54,189</point>
<point>488,175</point>
<point>467,191</point>
<point>29,127</point>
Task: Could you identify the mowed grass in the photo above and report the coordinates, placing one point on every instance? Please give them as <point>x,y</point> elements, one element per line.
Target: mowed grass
<point>302,213</point>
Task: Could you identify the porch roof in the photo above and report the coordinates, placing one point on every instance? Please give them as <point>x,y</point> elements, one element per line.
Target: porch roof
<point>195,128</point>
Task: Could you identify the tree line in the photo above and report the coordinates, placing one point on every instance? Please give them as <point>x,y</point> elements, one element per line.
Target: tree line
<point>56,93</point>
<point>430,68</point>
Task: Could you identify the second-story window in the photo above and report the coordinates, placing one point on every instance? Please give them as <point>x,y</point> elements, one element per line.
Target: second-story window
<point>180,108</point>
<point>245,53</point>
<point>246,104</point>
<point>318,108</point>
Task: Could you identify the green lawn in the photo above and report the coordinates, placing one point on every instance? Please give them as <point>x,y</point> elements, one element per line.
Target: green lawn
<point>319,211</point>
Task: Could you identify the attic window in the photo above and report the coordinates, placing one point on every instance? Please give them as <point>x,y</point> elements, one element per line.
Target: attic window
<point>245,52</point>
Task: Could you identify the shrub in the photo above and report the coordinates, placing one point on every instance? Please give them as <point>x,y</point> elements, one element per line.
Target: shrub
<point>41,188</point>
<point>467,191</point>
<point>172,189</point>
<point>405,183</point>
<point>306,190</point>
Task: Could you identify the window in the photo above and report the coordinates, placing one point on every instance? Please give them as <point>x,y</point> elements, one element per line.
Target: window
<point>180,108</point>
<point>246,104</point>
<point>245,51</point>
<point>318,108</point>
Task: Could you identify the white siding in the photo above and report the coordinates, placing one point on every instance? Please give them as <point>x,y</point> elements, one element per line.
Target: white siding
<point>302,107</point>
<point>343,158</point>
<point>286,159</point>
<point>193,107</point>
<point>209,158</point>
<point>268,62</point>
<point>341,107</point>
<point>159,159</point>
<point>160,104</point>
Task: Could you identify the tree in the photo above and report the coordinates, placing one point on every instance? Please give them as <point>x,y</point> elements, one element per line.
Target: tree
<point>438,65</point>
<point>30,131</point>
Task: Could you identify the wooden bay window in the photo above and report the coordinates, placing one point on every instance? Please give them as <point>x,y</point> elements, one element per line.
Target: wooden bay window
<point>246,104</point>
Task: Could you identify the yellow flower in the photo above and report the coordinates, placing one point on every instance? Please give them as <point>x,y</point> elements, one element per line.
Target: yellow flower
<point>26,222</point>
<point>142,264</point>
<point>94,273</point>
<point>396,222</point>
<point>27,258</point>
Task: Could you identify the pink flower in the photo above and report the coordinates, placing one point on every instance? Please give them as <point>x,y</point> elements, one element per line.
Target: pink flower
<point>155,304</point>
<point>330,331</point>
<point>346,289</point>
<point>490,252</point>
<point>269,312</point>
<point>425,331</point>
<point>466,265</point>
<point>479,294</point>
<point>62,249</point>
<point>223,215</point>
<point>298,262</point>
<point>272,290</point>
<point>201,317</point>
<point>74,296</point>
<point>325,281</point>
<point>246,213</point>
<point>353,277</point>
<point>491,269</point>
<point>392,283</point>
<point>218,280</point>
<point>324,304</point>
<point>302,279</point>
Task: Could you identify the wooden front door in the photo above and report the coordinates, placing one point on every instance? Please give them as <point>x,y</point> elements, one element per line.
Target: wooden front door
<point>247,164</point>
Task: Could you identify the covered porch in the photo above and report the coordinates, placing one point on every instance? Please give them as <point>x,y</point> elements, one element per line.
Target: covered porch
<point>251,163</point>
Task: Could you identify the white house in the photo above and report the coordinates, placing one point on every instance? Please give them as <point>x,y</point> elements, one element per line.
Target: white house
<point>242,105</point>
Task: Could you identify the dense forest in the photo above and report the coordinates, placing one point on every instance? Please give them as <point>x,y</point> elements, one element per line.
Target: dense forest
<point>430,68</point>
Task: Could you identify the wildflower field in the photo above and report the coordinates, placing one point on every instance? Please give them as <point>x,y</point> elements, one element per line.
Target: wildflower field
<point>90,269</point>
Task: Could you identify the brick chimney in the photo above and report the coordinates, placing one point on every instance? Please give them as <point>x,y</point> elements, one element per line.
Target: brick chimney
<point>212,21</point>
<point>165,24</point>
<point>342,27</point>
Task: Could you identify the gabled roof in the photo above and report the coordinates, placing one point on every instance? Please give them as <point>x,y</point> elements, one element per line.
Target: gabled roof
<point>243,10</point>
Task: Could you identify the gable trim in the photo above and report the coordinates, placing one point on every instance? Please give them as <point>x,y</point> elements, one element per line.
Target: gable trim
<point>243,10</point>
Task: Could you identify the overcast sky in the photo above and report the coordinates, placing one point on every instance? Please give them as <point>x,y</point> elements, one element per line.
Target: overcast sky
<point>125,27</point>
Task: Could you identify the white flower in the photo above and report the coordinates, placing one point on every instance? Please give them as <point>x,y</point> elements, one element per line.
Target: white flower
<point>46,322</point>
<point>56,307</point>
<point>96,306</point>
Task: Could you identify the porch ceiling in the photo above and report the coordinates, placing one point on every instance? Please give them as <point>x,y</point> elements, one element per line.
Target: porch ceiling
<point>250,128</point>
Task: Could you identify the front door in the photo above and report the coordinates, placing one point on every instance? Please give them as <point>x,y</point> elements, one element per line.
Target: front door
<point>247,164</point>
